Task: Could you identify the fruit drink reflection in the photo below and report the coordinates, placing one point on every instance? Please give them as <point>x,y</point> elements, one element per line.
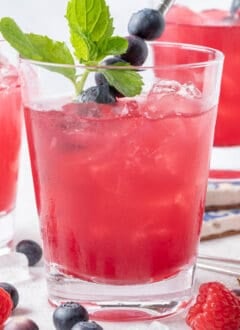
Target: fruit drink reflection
<point>120,188</point>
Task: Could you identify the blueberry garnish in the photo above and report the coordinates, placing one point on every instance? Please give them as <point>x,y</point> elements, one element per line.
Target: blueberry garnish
<point>21,323</point>
<point>137,51</point>
<point>100,78</point>
<point>31,249</point>
<point>147,24</point>
<point>12,291</point>
<point>86,326</point>
<point>99,94</point>
<point>68,314</point>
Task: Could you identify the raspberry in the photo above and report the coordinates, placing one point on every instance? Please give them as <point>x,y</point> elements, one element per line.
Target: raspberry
<point>216,308</point>
<point>6,305</point>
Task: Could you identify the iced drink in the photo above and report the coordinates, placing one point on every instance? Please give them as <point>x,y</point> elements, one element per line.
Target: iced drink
<point>214,28</point>
<point>10,138</point>
<point>121,185</point>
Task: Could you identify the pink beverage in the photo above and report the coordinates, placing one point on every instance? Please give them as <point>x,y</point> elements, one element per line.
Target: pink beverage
<point>120,186</point>
<point>10,138</point>
<point>115,192</point>
<point>214,28</point>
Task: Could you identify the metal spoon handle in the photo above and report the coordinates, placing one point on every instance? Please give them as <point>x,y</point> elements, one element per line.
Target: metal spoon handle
<point>235,6</point>
<point>164,6</point>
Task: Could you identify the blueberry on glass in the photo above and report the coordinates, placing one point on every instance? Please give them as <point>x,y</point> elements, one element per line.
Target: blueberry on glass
<point>31,249</point>
<point>147,24</point>
<point>137,51</point>
<point>68,314</point>
<point>12,292</point>
<point>86,326</point>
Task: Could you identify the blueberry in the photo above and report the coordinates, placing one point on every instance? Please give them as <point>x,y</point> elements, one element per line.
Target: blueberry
<point>147,24</point>
<point>12,291</point>
<point>31,249</point>
<point>100,78</point>
<point>86,326</point>
<point>137,51</point>
<point>99,94</point>
<point>21,323</point>
<point>68,314</point>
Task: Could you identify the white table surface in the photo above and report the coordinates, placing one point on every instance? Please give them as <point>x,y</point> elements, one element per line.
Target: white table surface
<point>33,295</point>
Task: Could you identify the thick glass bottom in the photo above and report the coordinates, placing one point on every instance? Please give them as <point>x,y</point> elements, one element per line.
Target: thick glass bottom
<point>225,163</point>
<point>6,231</point>
<point>105,302</point>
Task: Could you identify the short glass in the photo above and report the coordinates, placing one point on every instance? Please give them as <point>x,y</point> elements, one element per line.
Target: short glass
<point>211,23</point>
<point>10,141</point>
<point>120,188</point>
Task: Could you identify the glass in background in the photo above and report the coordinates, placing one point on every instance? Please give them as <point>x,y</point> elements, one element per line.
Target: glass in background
<point>212,24</point>
<point>10,141</point>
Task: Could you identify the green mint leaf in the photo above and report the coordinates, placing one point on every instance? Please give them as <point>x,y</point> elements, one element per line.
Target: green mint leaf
<point>17,39</point>
<point>84,49</point>
<point>128,82</point>
<point>54,52</point>
<point>38,48</point>
<point>90,17</point>
<point>115,46</point>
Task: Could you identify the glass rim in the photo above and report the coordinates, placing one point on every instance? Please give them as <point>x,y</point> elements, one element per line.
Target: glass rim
<point>218,57</point>
<point>202,25</point>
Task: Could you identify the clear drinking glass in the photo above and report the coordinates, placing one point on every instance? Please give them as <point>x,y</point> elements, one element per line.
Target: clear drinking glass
<point>120,188</point>
<point>214,24</point>
<point>10,140</point>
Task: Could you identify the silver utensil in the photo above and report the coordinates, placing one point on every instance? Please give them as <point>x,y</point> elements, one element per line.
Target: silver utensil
<point>164,6</point>
<point>219,265</point>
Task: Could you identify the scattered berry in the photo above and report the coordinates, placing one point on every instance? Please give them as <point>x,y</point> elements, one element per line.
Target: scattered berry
<point>86,326</point>
<point>12,291</point>
<point>216,308</point>
<point>68,314</point>
<point>137,51</point>
<point>147,24</point>
<point>21,323</point>
<point>99,94</point>
<point>6,306</point>
<point>31,249</point>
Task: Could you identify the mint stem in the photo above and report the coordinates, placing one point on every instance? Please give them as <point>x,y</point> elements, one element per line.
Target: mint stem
<point>80,84</point>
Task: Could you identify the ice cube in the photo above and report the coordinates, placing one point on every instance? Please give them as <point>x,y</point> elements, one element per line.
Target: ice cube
<point>14,268</point>
<point>169,97</point>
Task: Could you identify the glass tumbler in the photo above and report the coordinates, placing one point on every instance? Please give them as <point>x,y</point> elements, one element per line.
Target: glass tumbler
<point>215,24</point>
<point>120,186</point>
<point>10,141</point>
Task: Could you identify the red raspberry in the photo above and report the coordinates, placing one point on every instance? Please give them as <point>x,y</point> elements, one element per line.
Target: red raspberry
<point>216,308</point>
<point>6,305</point>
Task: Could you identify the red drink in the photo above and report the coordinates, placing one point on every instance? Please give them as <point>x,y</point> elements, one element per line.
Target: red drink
<point>117,195</point>
<point>10,136</point>
<point>213,28</point>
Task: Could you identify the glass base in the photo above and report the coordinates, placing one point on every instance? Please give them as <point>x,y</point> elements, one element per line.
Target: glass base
<point>6,231</point>
<point>124,302</point>
<point>225,163</point>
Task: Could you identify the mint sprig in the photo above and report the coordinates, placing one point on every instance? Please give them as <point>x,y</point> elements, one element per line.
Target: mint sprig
<point>38,48</point>
<point>91,35</point>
